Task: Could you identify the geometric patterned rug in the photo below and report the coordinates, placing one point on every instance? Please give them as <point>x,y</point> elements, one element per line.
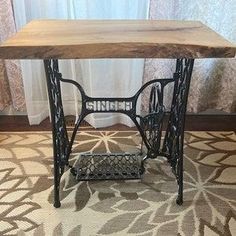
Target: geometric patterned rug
<point>143,207</point>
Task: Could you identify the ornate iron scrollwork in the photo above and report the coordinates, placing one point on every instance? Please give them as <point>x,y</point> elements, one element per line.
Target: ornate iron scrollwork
<point>149,126</point>
<point>174,138</point>
<point>60,137</point>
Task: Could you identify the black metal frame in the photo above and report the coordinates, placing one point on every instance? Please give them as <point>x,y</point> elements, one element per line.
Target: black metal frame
<point>149,126</point>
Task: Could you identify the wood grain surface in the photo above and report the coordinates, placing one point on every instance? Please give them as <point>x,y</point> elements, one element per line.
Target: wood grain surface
<point>67,39</point>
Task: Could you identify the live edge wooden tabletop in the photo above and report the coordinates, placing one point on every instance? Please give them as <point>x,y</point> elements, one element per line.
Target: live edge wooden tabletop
<point>67,39</point>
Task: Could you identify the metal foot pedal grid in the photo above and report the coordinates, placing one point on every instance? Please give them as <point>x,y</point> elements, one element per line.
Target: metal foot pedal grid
<point>102,166</point>
<point>149,126</point>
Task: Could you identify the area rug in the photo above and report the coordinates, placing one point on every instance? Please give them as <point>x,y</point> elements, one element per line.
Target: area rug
<point>143,207</point>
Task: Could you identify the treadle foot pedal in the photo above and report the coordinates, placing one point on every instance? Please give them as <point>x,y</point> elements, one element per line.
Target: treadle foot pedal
<point>108,166</point>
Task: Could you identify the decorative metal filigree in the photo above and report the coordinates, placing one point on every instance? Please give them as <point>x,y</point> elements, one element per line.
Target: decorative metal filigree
<point>60,137</point>
<point>108,166</point>
<point>174,138</point>
<point>149,126</point>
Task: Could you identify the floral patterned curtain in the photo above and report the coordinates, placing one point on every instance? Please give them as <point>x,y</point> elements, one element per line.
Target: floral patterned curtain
<point>213,84</point>
<point>11,85</point>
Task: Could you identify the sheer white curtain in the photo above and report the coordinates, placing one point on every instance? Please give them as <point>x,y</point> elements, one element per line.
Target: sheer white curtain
<point>111,78</point>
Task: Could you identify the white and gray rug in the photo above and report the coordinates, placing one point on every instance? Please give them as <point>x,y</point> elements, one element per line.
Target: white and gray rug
<point>136,207</point>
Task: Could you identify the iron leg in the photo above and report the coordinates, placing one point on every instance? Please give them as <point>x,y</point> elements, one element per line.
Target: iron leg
<point>179,199</point>
<point>57,202</point>
<point>59,132</point>
<point>174,138</point>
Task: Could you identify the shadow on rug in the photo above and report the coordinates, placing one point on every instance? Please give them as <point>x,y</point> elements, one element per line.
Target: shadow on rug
<point>143,207</point>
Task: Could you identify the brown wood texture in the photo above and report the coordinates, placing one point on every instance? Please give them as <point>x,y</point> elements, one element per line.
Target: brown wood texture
<point>68,39</point>
<point>193,123</point>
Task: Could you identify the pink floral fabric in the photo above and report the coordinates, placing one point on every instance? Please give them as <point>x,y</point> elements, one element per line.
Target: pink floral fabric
<point>11,84</point>
<point>213,84</point>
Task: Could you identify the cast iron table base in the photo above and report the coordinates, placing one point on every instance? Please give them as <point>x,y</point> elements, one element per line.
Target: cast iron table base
<point>117,166</point>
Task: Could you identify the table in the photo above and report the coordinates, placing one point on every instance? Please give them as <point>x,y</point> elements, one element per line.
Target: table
<point>51,40</point>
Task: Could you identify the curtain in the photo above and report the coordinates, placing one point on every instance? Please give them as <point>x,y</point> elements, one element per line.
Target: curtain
<point>11,84</point>
<point>213,84</point>
<point>110,78</point>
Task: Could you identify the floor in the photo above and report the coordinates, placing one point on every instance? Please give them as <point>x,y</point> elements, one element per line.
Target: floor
<point>142,207</point>
<point>193,123</point>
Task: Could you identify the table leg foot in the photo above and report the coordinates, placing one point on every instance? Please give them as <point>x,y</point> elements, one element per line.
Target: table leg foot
<point>179,200</point>
<point>57,204</point>
<point>59,132</point>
